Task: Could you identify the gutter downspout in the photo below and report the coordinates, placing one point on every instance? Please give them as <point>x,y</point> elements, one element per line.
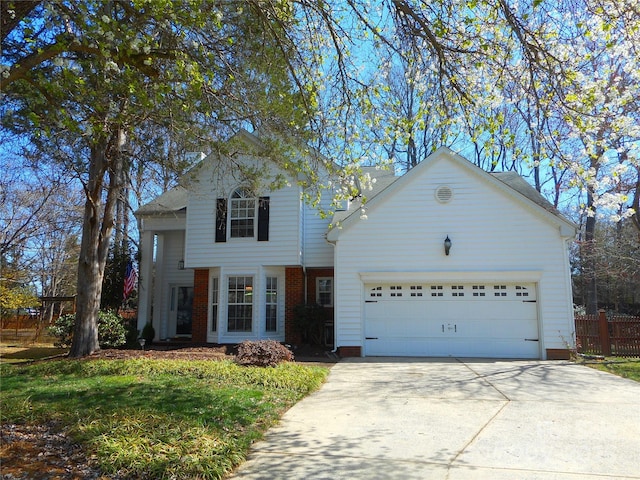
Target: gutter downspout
<point>304,236</point>
<point>335,324</point>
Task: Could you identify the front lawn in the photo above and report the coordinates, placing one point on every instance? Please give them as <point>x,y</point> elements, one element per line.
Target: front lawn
<point>623,367</point>
<point>156,418</point>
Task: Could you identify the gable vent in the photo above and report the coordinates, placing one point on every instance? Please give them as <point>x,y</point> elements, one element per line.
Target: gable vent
<point>444,194</point>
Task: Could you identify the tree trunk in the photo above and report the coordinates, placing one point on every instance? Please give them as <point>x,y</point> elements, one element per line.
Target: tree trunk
<point>98,225</point>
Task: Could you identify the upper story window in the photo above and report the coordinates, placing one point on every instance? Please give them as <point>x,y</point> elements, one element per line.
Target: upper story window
<point>242,213</point>
<point>248,216</point>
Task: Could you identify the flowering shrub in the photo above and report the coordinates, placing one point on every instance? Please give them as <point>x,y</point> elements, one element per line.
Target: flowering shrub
<point>263,353</point>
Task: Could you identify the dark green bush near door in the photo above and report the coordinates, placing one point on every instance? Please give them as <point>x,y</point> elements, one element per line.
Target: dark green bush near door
<point>309,321</point>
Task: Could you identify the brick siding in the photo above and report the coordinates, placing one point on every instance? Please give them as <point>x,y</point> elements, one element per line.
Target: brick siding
<point>350,351</point>
<point>294,296</point>
<point>200,306</point>
<point>558,354</point>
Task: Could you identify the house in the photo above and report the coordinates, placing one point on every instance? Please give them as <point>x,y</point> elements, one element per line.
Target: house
<point>446,260</point>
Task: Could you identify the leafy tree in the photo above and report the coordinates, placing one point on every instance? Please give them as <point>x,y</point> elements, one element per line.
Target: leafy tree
<point>55,250</point>
<point>25,191</point>
<point>568,68</point>
<point>114,277</point>
<point>81,80</point>
<point>616,257</point>
<point>15,289</point>
<point>91,84</point>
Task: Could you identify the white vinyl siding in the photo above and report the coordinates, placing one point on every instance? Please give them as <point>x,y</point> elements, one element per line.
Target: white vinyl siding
<point>489,231</point>
<point>317,251</point>
<point>282,248</point>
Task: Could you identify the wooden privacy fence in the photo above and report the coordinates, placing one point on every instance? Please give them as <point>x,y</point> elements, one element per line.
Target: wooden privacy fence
<point>613,335</point>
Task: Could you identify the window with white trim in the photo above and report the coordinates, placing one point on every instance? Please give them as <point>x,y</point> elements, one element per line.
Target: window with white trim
<point>324,291</point>
<point>271,314</point>
<point>215,295</point>
<point>242,213</point>
<point>240,304</point>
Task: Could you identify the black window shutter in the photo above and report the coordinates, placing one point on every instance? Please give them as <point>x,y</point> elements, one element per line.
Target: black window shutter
<point>263,219</point>
<point>221,220</point>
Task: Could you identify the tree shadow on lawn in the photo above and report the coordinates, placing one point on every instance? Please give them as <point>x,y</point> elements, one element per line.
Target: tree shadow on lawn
<point>198,403</point>
<point>22,354</point>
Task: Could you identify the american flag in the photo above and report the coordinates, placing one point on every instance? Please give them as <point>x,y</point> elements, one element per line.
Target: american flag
<point>130,279</point>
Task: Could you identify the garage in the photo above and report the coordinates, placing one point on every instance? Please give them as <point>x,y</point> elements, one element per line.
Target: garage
<point>480,319</point>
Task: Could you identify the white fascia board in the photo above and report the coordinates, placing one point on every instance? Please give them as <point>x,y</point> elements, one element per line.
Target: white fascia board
<point>168,222</point>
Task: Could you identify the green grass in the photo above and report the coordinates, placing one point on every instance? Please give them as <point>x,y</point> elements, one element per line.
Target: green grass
<point>27,354</point>
<point>623,367</point>
<point>157,418</point>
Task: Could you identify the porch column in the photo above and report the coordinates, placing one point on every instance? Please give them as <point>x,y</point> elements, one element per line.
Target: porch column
<point>145,279</point>
<point>159,323</point>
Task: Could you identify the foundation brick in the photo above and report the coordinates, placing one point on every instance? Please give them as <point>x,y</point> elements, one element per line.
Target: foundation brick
<point>350,351</point>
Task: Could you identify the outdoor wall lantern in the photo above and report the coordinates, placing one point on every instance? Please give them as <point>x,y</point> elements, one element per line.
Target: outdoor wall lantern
<point>181,265</point>
<point>447,245</point>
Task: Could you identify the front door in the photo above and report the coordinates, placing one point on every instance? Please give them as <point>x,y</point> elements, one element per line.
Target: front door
<point>183,309</point>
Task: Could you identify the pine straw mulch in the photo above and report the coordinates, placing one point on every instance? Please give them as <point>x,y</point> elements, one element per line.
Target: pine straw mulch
<point>216,352</point>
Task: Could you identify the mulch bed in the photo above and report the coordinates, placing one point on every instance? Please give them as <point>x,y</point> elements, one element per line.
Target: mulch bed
<point>302,354</point>
<point>218,352</point>
<point>40,452</point>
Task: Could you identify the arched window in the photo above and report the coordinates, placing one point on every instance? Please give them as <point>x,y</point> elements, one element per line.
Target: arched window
<point>242,213</point>
<point>248,216</point>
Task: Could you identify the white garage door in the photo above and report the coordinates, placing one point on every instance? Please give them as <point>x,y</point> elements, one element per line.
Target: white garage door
<point>491,320</point>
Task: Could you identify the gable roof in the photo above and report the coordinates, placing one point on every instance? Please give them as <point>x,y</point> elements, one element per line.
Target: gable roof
<point>509,183</point>
<point>170,201</point>
<point>520,185</point>
<point>242,141</point>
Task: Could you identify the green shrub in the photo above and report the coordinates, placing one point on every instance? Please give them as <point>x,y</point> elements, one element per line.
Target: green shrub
<point>62,330</point>
<point>148,332</point>
<point>111,330</point>
<point>263,353</point>
<point>131,327</point>
<point>309,322</point>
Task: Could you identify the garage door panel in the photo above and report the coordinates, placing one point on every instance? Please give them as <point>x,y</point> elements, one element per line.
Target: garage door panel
<point>466,320</point>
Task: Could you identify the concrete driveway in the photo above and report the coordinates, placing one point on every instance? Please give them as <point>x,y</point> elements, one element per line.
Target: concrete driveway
<point>457,419</point>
